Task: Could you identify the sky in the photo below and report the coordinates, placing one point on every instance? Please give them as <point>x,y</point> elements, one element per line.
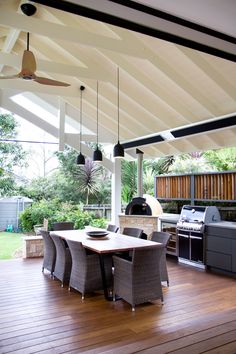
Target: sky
<point>37,153</point>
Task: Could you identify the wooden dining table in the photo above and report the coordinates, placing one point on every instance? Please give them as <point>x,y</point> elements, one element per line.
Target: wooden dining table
<point>111,243</point>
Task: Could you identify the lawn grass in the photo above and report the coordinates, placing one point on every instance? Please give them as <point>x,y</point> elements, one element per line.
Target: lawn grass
<point>9,243</point>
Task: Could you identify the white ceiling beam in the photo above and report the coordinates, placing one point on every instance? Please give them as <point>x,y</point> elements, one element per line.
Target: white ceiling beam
<point>70,139</point>
<point>9,44</point>
<point>211,72</point>
<point>13,107</point>
<point>153,88</point>
<point>22,85</point>
<point>54,67</point>
<point>56,31</point>
<point>170,72</point>
<point>151,22</point>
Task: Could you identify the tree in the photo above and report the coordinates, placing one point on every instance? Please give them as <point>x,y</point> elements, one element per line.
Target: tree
<point>151,168</point>
<point>89,178</point>
<point>11,154</point>
<point>160,166</point>
<point>91,183</point>
<point>128,180</point>
<point>222,159</point>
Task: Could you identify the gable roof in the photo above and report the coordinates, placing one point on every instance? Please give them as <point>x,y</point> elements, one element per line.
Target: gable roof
<point>164,86</point>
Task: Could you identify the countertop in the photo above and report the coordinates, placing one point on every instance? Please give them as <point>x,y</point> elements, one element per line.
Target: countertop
<point>224,224</point>
<point>169,217</point>
<point>165,216</point>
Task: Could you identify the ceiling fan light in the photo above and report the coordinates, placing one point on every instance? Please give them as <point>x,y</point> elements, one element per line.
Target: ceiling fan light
<point>118,151</point>
<point>97,155</point>
<point>28,9</point>
<point>80,160</point>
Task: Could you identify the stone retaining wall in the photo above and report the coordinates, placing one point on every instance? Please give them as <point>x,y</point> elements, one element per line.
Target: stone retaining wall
<point>32,246</point>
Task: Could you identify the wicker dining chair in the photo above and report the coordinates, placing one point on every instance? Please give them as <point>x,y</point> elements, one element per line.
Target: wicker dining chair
<point>86,270</point>
<point>112,228</point>
<point>132,231</point>
<point>163,238</point>
<point>49,252</point>
<point>63,225</point>
<point>63,263</point>
<point>138,280</point>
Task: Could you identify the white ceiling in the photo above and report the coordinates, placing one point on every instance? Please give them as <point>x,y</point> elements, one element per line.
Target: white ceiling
<point>216,14</point>
<point>163,86</point>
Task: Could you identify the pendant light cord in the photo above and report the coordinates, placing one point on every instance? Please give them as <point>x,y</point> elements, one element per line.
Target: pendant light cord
<point>27,41</point>
<point>118,103</point>
<point>97,114</point>
<point>81,109</point>
<point>80,134</point>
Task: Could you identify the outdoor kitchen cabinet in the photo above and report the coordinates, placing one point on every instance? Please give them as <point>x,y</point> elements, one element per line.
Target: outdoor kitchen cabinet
<point>221,248</point>
<point>170,226</point>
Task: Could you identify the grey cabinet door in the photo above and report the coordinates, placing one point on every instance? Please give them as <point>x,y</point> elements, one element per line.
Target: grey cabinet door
<point>219,260</point>
<point>219,244</point>
<point>234,256</point>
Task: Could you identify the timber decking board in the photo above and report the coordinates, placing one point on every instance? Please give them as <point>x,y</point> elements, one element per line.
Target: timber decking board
<point>38,316</point>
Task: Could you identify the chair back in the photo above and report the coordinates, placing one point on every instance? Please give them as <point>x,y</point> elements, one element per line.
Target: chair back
<point>46,235</point>
<point>63,225</point>
<point>139,280</point>
<point>112,228</point>
<point>132,231</point>
<point>147,259</point>
<point>63,259</point>
<point>161,236</point>
<point>49,257</point>
<point>48,242</point>
<point>77,251</point>
<point>86,270</point>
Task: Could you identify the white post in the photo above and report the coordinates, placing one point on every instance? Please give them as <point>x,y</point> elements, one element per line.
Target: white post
<point>116,192</point>
<point>62,114</point>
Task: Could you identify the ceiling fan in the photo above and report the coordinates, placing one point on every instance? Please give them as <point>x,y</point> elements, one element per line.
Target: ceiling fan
<point>28,67</point>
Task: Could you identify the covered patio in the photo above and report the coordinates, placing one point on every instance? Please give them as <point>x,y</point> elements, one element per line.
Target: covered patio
<point>199,315</point>
<point>177,95</point>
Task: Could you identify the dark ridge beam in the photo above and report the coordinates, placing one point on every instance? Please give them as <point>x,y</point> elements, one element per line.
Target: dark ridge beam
<point>144,141</point>
<point>204,127</point>
<point>175,19</point>
<point>113,20</point>
<point>184,132</point>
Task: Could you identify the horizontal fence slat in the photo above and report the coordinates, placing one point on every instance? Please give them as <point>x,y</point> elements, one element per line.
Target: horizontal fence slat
<point>218,186</point>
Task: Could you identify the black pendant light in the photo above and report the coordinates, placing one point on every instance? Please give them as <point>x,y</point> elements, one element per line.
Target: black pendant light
<point>118,151</point>
<point>80,158</point>
<point>97,154</point>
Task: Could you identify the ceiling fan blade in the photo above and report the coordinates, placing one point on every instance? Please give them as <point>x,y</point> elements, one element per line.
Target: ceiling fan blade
<point>10,77</point>
<point>28,61</point>
<point>45,81</point>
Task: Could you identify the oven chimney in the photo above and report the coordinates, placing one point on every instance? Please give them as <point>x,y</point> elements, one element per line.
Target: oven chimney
<point>139,172</point>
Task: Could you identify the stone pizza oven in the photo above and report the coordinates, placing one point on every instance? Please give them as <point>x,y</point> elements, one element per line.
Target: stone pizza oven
<point>142,212</point>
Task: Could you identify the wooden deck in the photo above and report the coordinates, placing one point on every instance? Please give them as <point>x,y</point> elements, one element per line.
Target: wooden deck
<point>38,316</point>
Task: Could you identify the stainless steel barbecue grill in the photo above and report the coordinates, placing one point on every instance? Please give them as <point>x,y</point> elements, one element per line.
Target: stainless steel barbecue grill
<point>190,232</point>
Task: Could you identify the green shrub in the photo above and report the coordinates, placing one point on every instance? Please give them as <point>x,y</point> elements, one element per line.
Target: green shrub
<point>35,214</point>
<point>99,223</point>
<point>56,212</point>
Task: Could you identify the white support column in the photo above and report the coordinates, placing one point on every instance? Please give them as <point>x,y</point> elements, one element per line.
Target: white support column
<point>116,192</point>
<point>140,172</point>
<point>62,114</point>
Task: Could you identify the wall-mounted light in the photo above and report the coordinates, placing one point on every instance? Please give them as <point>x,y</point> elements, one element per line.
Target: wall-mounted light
<point>80,158</point>
<point>97,154</point>
<point>118,151</point>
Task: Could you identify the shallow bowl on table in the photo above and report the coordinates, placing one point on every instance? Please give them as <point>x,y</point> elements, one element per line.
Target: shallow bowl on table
<point>97,234</point>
